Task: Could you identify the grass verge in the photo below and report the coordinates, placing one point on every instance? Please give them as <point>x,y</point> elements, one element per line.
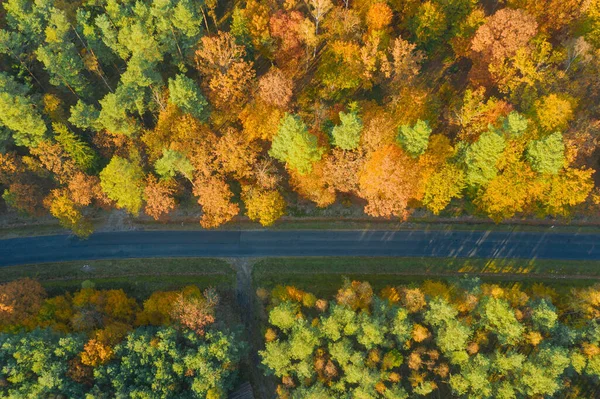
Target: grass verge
<point>138,277</point>
<point>323,276</point>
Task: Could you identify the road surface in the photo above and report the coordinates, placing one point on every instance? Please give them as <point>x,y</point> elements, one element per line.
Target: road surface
<point>266,243</point>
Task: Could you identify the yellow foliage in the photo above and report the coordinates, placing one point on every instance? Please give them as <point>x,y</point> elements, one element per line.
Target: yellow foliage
<point>565,190</point>
<point>391,294</point>
<point>95,353</point>
<point>442,186</point>
<point>534,338</point>
<point>554,112</point>
<point>260,121</point>
<point>263,206</point>
<point>436,288</point>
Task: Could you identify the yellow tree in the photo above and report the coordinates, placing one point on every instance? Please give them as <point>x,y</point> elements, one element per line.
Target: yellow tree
<point>236,154</point>
<point>67,213</point>
<point>442,186</point>
<point>554,112</point>
<point>565,190</point>
<point>263,206</point>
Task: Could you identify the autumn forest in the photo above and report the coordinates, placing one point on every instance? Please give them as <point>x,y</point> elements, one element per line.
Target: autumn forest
<point>485,108</point>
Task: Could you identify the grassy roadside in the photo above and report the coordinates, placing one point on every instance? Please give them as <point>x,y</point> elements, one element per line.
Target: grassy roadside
<point>374,224</point>
<point>310,223</point>
<point>138,277</point>
<point>323,276</point>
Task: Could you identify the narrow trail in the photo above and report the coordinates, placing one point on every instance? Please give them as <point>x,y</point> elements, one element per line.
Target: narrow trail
<point>249,311</point>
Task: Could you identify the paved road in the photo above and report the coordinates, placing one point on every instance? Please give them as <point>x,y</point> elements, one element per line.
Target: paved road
<point>263,243</point>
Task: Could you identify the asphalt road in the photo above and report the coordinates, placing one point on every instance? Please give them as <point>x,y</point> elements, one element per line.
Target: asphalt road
<point>265,243</point>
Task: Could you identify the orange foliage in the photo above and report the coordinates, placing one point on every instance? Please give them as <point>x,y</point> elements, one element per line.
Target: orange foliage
<point>20,300</point>
<point>56,160</point>
<point>9,166</point>
<point>313,186</point>
<point>355,294</point>
<point>159,197</point>
<point>379,131</point>
<point>379,16</point>
<point>84,188</point>
<point>290,30</point>
<point>341,169</point>
<point>214,195</point>
<point>236,154</point>
<point>388,181</point>
<point>275,88</point>
<point>220,60</point>
<point>195,312</point>
<point>25,197</point>
<point>500,37</point>
<point>551,15</point>
<point>260,120</point>
<point>412,299</point>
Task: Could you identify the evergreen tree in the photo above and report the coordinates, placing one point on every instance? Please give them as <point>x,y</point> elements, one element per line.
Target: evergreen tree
<point>294,145</point>
<point>414,139</point>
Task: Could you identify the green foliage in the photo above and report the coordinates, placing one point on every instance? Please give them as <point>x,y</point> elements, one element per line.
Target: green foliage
<point>239,27</point>
<point>544,316</point>
<point>109,357</point>
<point>414,139</point>
<point>5,139</point>
<point>481,158</point>
<point>466,342</point>
<point>346,135</point>
<point>294,145</point>
<point>123,182</point>
<point>85,116</point>
<point>497,316</point>
<point>127,70</point>
<point>35,364</point>
<point>515,124</point>
<point>283,316</point>
<point>19,114</point>
<point>185,94</point>
<point>171,364</point>
<point>59,54</point>
<point>83,155</point>
<point>428,25</point>
<point>173,162</point>
<point>113,115</point>
<point>547,155</point>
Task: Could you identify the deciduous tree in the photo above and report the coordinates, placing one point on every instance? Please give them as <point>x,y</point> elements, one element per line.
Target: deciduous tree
<point>123,182</point>
<point>263,206</point>
<point>388,181</point>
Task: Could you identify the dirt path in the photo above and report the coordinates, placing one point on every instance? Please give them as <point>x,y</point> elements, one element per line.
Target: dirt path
<point>250,313</point>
